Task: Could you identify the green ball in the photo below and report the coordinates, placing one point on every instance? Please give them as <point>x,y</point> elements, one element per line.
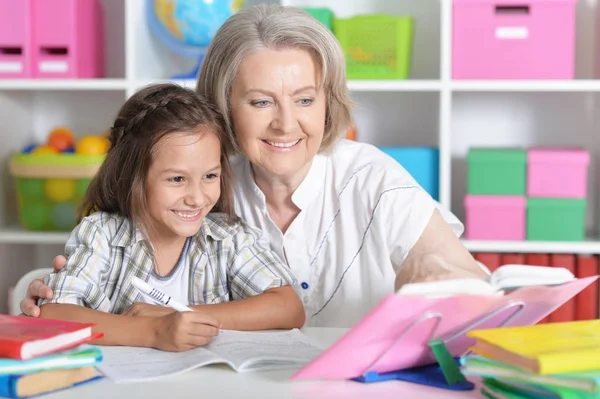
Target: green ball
<point>31,188</point>
<point>63,216</point>
<point>35,215</point>
<point>81,186</point>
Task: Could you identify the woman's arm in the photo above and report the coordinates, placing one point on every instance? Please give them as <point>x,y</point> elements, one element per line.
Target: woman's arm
<point>437,255</point>
<point>276,308</point>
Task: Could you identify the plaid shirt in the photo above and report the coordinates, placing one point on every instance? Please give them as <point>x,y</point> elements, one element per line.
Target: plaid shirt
<point>105,251</point>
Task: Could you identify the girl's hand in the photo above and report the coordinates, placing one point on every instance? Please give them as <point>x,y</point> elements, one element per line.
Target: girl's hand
<point>181,331</point>
<point>146,309</point>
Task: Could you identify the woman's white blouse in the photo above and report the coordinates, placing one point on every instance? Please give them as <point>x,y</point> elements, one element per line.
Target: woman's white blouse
<point>361,213</point>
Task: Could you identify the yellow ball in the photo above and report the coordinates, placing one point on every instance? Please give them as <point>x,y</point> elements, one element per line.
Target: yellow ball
<point>43,150</point>
<point>91,145</point>
<point>59,190</point>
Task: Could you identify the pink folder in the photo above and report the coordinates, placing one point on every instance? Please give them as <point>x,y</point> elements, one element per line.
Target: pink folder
<point>395,334</point>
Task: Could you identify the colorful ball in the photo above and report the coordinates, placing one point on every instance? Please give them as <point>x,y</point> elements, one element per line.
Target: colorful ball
<point>31,188</point>
<point>60,190</point>
<point>60,139</point>
<point>70,150</point>
<point>35,215</point>
<point>44,150</point>
<point>64,216</point>
<point>91,145</point>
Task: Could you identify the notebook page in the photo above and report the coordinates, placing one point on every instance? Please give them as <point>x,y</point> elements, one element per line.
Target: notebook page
<point>129,364</point>
<point>265,350</point>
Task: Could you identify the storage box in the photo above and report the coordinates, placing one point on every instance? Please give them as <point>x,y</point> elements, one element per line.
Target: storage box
<point>423,163</point>
<point>513,39</point>
<point>493,171</point>
<point>495,217</point>
<point>556,219</point>
<point>376,46</point>
<point>15,39</point>
<point>68,39</point>
<point>557,173</point>
<point>322,14</point>
<point>50,188</point>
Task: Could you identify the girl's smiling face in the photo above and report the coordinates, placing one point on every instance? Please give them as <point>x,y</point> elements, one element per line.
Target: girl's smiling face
<point>183,184</point>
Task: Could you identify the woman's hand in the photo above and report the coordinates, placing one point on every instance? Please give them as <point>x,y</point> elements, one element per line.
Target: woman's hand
<point>37,289</point>
<point>181,331</point>
<point>146,309</point>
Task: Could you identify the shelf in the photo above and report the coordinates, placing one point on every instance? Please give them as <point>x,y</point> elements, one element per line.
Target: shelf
<point>394,85</point>
<point>18,235</point>
<point>591,247</point>
<point>526,85</point>
<point>63,84</point>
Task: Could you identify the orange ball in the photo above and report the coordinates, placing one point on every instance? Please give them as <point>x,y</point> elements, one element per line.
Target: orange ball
<point>61,139</point>
<point>43,150</point>
<point>91,145</point>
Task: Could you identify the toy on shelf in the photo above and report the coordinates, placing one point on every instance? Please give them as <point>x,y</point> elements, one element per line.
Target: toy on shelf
<point>52,178</point>
<point>187,27</point>
<point>534,194</point>
<point>51,39</point>
<point>532,39</point>
<point>322,14</point>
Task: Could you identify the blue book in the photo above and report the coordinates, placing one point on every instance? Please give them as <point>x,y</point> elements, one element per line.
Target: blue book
<point>28,385</point>
<point>80,357</point>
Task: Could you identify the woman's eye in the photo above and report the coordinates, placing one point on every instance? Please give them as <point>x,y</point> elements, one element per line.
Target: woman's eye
<point>306,101</point>
<point>261,103</point>
<point>177,179</point>
<point>212,176</point>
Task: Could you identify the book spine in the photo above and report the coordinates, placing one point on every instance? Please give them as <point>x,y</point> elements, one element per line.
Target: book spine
<point>10,349</point>
<point>489,259</point>
<point>567,311</point>
<point>586,303</point>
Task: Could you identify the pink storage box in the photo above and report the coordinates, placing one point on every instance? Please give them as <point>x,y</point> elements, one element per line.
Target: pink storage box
<point>495,217</point>
<point>557,173</point>
<point>513,39</point>
<point>68,39</point>
<point>15,39</point>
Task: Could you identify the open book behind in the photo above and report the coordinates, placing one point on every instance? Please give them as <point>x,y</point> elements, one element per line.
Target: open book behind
<point>504,278</point>
<point>242,351</point>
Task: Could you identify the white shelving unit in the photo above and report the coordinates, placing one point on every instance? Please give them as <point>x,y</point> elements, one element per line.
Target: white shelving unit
<point>428,109</point>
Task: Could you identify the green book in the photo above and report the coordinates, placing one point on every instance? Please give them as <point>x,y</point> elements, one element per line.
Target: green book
<point>83,356</point>
<point>584,382</point>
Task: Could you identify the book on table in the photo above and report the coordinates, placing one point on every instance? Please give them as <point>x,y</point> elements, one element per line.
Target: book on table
<point>26,338</point>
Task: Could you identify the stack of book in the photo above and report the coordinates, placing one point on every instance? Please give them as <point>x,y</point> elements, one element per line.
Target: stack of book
<point>38,356</point>
<point>552,360</point>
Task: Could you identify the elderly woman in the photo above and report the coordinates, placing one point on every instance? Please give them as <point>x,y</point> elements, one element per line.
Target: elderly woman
<point>349,221</point>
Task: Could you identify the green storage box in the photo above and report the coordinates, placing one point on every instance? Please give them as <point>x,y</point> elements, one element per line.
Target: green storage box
<point>322,14</point>
<point>376,46</point>
<point>556,219</point>
<point>496,171</point>
<point>50,188</point>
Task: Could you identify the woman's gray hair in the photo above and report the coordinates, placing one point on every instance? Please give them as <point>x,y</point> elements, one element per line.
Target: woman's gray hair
<point>277,27</point>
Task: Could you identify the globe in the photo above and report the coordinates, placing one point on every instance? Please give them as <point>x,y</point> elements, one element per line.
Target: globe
<point>187,27</point>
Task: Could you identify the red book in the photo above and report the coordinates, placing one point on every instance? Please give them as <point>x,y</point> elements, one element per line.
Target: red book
<point>538,260</point>
<point>24,338</point>
<point>489,259</point>
<point>512,259</point>
<point>567,311</point>
<point>586,302</point>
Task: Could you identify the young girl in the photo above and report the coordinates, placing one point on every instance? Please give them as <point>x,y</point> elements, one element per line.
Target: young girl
<point>161,208</point>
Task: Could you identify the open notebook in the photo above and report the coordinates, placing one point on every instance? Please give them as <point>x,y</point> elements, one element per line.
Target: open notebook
<point>242,351</point>
<point>504,278</point>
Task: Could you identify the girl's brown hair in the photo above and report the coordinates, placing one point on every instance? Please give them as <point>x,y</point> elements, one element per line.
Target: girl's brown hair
<point>146,117</point>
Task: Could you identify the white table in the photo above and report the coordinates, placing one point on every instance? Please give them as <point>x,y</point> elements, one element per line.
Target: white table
<point>221,382</point>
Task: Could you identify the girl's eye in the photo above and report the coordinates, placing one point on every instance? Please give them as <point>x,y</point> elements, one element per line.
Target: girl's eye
<point>261,103</point>
<point>306,101</point>
<point>177,179</point>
